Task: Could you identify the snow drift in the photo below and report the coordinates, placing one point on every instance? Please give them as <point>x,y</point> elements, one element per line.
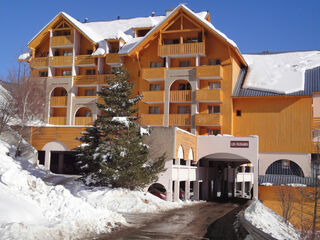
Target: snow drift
<point>269,222</point>
<point>33,206</point>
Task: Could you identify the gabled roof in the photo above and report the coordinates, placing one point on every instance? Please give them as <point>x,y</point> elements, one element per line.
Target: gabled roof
<point>201,19</point>
<point>94,37</point>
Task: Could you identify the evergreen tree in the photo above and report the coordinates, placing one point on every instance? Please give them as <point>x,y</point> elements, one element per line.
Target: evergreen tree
<point>112,152</point>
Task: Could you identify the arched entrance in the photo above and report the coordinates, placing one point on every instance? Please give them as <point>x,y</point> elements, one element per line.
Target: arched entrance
<point>227,167</point>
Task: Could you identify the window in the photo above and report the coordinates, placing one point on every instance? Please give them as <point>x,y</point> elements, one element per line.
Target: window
<point>56,53</point>
<point>89,51</point>
<point>90,72</point>
<point>66,73</point>
<point>214,85</point>
<point>213,132</point>
<point>238,113</point>
<point>213,109</point>
<point>154,110</point>
<point>154,87</point>
<point>90,92</point>
<point>191,40</point>
<point>155,64</point>
<point>64,92</point>
<point>67,53</point>
<point>184,63</point>
<point>43,74</point>
<point>87,113</point>
<point>285,164</point>
<point>183,109</point>
<point>184,86</point>
<point>214,62</point>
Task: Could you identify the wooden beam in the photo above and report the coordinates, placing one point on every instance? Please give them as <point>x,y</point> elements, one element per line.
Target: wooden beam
<point>183,31</point>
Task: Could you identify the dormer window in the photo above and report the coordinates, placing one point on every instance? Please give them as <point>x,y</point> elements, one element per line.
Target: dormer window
<point>142,32</point>
<point>113,46</point>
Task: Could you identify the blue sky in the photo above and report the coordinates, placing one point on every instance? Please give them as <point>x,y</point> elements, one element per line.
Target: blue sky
<point>274,25</point>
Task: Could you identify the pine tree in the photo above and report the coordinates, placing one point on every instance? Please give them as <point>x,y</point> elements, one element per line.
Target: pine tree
<point>112,152</point>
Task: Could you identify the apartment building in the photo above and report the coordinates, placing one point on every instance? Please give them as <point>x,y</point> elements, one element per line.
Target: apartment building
<point>210,108</point>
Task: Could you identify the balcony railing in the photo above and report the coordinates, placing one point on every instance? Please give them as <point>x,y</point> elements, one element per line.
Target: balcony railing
<point>207,95</point>
<point>83,120</point>
<point>210,72</point>
<point>58,101</point>
<point>181,96</point>
<point>84,60</point>
<point>61,61</point>
<point>57,120</point>
<point>39,62</point>
<point>316,123</point>
<point>153,96</point>
<point>179,119</point>
<point>182,49</point>
<point>112,58</point>
<point>153,74</point>
<point>86,80</point>
<point>208,119</point>
<point>151,119</point>
<point>62,40</point>
<point>103,78</point>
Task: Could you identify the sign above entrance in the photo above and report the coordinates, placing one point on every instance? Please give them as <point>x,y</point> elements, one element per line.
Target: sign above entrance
<point>239,144</point>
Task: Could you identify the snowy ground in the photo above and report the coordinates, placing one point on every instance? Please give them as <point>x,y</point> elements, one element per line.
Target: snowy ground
<point>34,206</point>
<point>270,222</point>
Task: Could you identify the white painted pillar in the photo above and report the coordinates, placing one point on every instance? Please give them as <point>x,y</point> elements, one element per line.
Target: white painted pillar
<point>187,190</point>
<point>197,60</point>
<point>168,62</point>
<point>176,190</point>
<point>47,159</point>
<point>243,185</point>
<point>169,191</point>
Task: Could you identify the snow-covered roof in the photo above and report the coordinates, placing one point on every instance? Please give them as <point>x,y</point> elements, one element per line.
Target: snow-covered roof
<point>99,31</point>
<point>282,73</point>
<point>200,16</point>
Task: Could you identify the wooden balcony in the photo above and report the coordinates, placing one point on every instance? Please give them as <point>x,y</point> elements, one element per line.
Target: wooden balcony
<point>112,58</point>
<point>153,96</point>
<point>58,101</point>
<point>39,62</point>
<point>62,41</point>
<point>61,61</point>
<point>103,78</point>
<point>151,119</point>
<point>208,119</point>
<point>153,74</point>
<point>181,96</point>
<point>83,121</point>
<point>84,60</point>
<point>179,119</point>
<point>207,95</point>
<point>210,72</point>
<point>316,123</point>
<point>57,120</point>
<point>182,49</point>
<point>85,80</point>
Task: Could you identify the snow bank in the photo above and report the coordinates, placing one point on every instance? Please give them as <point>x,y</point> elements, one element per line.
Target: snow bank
<point>269,222</point>
<point>281,72</point>
<point>34,206</point>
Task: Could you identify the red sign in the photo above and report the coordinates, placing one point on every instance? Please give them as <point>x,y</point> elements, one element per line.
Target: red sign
<point>239,144</point>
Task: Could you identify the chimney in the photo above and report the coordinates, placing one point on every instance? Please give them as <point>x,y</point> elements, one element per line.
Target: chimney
<point>118,17</point>
<point>152,14</point>
<point>85,20</point>
<point>168,11</point>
